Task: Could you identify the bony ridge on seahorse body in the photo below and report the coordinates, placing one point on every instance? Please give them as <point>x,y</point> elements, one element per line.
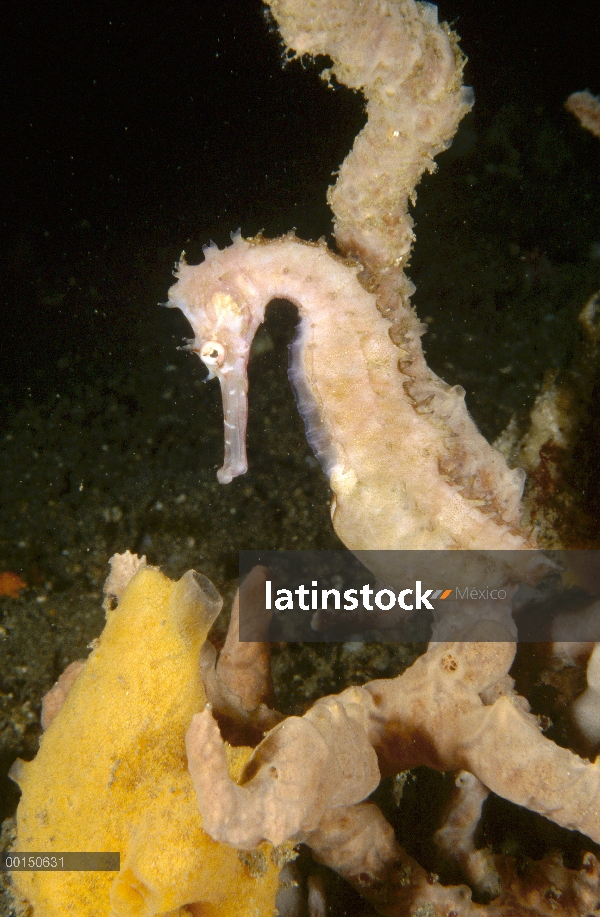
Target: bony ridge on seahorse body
<point>406,464</point>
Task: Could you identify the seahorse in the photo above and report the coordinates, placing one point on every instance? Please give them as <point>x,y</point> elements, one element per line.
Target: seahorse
<point>406,464</point>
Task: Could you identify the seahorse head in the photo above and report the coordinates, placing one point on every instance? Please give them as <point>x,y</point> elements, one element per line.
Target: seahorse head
<point>216,299</point>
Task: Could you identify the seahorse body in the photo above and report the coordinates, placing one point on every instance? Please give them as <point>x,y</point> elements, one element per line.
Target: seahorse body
<point>406,464</point>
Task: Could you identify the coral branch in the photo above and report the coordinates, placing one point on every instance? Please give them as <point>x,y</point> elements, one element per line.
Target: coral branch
<point>456,837</point>
<point>432,714</point>
<point>280,796</point>
<point>410,70</point>
<point>238,685</point>
<point>244,666</point>
<point>586,109</point>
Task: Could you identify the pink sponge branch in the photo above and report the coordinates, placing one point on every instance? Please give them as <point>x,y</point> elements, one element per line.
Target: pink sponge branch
<point>409,68</point>
<point>303,767</point>
<point>244,666</point>
<point>586,109</point>
<point>431,715</point>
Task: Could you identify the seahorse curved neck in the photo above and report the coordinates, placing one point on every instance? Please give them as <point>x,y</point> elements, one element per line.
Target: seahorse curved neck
<point>406,464</point>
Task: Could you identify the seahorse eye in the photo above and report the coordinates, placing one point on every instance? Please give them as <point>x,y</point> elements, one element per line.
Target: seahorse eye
<point>213,353</point>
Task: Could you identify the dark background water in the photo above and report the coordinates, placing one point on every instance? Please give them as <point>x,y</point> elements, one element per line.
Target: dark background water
<point>135,130</point>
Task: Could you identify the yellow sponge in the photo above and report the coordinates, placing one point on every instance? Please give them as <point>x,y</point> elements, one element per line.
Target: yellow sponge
<point>111,773</point>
